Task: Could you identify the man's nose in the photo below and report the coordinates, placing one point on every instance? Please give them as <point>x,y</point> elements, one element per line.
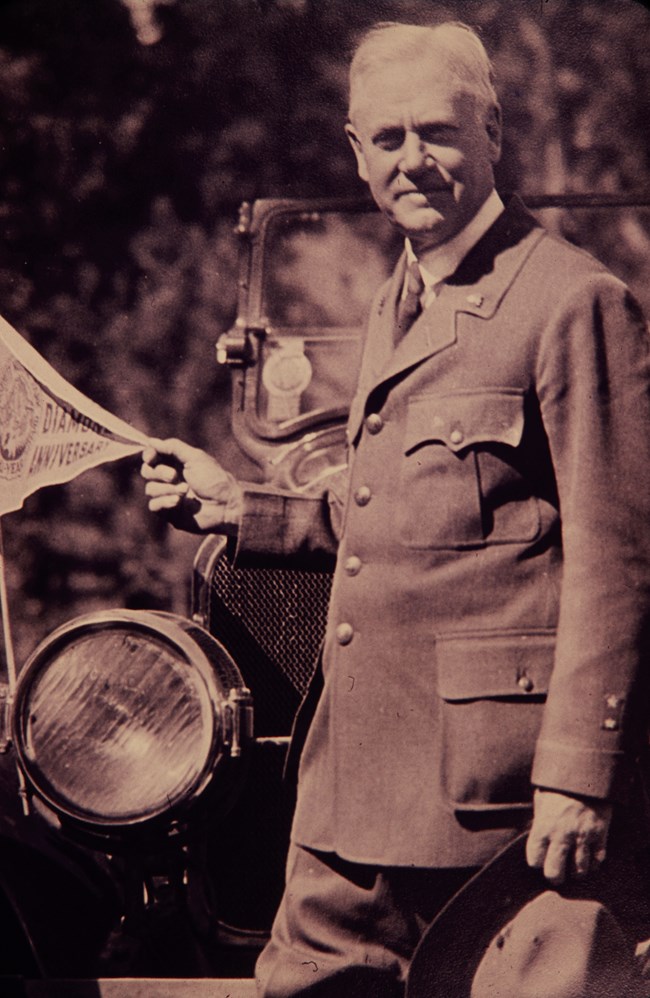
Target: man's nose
<point>414,154</point>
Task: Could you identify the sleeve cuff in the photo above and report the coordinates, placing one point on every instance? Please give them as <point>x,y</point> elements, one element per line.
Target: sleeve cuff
<point>583,771</point>
<point>283,529</point>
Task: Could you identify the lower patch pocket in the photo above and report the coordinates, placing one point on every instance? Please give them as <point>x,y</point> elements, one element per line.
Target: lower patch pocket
<point>493,689</point>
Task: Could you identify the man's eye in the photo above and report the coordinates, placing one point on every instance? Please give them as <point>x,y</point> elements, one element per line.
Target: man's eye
<point>389,140</point>
<point>435,135</point>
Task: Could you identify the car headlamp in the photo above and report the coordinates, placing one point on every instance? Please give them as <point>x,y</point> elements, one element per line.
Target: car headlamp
<point>123,716</point>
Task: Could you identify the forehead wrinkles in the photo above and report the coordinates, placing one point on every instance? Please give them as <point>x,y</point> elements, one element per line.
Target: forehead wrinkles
<point>376,110</point>
<point>397,88</point>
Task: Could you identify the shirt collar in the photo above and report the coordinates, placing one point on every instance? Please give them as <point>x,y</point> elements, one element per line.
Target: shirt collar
<point>444,260</point>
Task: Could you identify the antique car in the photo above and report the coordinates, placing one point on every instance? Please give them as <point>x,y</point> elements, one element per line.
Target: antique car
<point>144,819</point>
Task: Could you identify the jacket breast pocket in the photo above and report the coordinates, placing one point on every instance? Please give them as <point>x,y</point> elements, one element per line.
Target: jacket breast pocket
<point>492,690</point>
<point>460,481</point>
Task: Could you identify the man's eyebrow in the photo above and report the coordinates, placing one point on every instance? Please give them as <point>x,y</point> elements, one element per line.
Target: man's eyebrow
<point>436,125</point>
<point>449,122</point>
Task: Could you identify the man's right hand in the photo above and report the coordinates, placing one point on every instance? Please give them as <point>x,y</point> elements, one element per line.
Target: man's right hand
<point>190,488</point>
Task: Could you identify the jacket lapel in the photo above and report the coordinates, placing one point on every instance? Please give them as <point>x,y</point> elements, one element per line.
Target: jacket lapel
<point>477,287</point>
<point>379,344</point>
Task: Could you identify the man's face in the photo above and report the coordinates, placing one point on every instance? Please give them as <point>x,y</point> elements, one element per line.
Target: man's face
<point>426,147</point>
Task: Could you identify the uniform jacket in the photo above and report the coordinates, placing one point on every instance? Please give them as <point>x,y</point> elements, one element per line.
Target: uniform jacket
<point>490,607</point>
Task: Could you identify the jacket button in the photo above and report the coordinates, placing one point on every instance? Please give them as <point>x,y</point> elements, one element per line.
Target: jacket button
<point>525,683</point>
<point>352,565</point>
<point>344,634</point>
<point>374,423</point>
<point>362,496</point>
<point>456,436</point>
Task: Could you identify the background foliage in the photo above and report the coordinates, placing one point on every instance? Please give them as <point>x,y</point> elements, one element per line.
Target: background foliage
<point>129,132</point>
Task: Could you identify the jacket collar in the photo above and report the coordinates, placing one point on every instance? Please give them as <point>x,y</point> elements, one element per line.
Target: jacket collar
<point>444,260</point>
<point>477,287</point>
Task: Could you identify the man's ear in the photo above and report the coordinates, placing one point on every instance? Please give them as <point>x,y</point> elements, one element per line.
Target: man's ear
<point>357,149</point>
<point>494,130</point>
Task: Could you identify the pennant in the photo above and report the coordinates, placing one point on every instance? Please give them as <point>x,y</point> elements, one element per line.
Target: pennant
<point>49,431</point>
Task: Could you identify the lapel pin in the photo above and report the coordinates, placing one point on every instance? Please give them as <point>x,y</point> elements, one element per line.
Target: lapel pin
<point>475,300</point>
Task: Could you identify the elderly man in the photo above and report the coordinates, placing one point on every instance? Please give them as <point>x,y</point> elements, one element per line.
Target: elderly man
<point>490,605</point>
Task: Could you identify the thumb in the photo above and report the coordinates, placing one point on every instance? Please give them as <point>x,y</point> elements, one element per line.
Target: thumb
<point>173,447</point>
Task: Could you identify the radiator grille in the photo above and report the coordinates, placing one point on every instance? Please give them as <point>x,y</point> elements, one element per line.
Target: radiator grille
<point>272,622</point>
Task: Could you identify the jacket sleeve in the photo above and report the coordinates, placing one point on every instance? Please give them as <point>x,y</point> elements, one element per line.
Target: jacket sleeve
<point>283,529</point>
<point>594,392</point>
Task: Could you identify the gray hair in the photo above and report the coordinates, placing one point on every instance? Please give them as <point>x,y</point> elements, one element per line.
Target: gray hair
<point>458,44</point>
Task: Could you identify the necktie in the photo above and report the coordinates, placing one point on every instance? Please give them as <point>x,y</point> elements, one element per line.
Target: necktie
<point>410,306</point>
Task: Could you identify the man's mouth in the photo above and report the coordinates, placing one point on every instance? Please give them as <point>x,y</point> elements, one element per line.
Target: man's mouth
<point>424,192</point>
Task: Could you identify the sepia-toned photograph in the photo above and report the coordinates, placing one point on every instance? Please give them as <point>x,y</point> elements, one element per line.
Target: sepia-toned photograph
<point>325,499</point>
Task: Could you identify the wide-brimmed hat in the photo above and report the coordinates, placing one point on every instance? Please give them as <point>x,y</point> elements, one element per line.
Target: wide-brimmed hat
<point>506,935</point>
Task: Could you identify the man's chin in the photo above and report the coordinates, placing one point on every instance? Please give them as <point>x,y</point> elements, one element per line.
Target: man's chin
<point>417,219</point>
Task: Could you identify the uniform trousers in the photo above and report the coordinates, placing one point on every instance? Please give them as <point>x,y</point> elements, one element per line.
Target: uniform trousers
<point>349,930</point>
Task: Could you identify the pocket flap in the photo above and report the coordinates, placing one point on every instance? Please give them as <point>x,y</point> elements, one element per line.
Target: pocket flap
<point>481,666</point>
<point>463,419</point>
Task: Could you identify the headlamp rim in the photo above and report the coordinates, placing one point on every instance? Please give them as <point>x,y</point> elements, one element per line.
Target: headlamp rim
<point>173,629</point>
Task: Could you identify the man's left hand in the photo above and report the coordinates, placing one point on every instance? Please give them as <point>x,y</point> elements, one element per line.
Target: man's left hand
<point>568,836</point>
